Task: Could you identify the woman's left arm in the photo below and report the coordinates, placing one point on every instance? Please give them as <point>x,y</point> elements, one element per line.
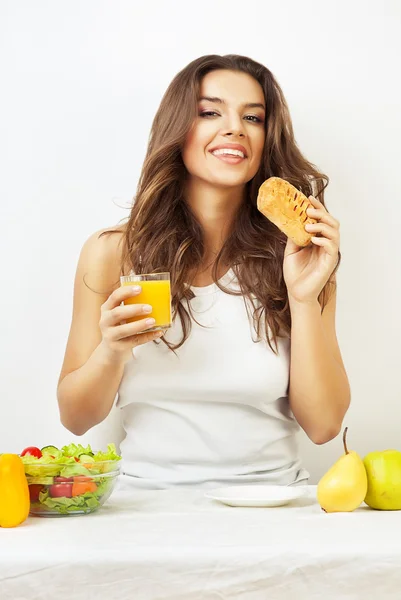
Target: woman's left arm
<point>319,392</point>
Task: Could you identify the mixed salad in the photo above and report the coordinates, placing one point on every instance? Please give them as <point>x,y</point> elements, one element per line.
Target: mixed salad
<point>70,479</point>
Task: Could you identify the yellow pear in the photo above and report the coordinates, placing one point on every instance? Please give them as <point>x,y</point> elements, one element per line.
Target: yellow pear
<point>344,486</point>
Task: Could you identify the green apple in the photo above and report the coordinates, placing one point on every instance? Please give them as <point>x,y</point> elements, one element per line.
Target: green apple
<point>384,479</point>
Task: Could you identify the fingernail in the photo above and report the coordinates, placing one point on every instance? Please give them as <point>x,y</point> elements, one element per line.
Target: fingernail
<point>159,333</point>
<point>147,308</point>
<point>136,289</point>
<point>150,321</point>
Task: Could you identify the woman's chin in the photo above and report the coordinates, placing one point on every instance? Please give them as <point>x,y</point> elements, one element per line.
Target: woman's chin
<point>233,181</point>
<point>220,180</point>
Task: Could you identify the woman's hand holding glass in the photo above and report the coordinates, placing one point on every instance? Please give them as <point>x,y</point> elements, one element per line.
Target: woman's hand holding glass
<point>118,336</point>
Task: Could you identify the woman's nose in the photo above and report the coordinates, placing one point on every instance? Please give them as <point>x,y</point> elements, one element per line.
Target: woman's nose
<point>233,126</point>
<point>234,132</point>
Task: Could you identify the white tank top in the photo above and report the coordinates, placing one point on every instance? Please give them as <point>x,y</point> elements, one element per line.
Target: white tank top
<point>214,413</point>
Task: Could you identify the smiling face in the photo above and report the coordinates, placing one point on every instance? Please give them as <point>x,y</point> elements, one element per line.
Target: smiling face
<point>224,147</point>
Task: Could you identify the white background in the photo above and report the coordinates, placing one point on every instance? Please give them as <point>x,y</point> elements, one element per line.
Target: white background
<point>81,81</point>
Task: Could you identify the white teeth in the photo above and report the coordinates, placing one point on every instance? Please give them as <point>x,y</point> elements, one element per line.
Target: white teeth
<point>229,152</point>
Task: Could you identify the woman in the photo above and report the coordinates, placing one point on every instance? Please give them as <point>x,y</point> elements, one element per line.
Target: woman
<point>252,354</point>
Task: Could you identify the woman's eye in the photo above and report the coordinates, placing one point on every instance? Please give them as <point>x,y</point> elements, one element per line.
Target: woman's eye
<point>208,113</point>
<point>250,118</point>
<point>254,119</point>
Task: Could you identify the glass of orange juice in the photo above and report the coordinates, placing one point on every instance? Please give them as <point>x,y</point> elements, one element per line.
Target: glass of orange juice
<point>156,291</point>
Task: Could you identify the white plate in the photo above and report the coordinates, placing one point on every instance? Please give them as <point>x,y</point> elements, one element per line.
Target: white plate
<point>256,495</point>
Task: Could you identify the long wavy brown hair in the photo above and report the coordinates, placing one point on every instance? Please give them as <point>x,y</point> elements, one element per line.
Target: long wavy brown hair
<point>162,233</point>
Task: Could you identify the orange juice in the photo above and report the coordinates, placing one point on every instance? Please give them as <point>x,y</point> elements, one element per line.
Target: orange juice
<point>157,293</point>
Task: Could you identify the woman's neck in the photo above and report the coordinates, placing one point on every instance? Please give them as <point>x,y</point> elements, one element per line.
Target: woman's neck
<point>215,209</point>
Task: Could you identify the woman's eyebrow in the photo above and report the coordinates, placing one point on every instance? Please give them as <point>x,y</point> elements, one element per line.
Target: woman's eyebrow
<point>220,101</point>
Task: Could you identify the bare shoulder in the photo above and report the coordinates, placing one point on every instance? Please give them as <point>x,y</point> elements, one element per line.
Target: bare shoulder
<point>100,261</point>
<point>104,244</point>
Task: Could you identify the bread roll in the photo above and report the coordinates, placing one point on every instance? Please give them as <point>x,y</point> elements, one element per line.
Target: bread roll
<point>285,206</point>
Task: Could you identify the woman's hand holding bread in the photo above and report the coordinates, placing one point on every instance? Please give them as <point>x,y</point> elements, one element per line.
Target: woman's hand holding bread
<point>309,259</point>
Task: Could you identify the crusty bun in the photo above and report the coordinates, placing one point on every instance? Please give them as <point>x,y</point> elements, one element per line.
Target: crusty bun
<point>285,206</point>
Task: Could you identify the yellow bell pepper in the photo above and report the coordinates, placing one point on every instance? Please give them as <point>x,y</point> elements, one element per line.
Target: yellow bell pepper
<point>14,491</point>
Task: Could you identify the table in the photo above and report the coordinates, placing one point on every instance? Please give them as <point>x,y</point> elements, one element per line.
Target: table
<point>178,545</point>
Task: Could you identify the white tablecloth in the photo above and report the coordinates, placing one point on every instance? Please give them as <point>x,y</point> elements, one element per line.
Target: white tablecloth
<point>178,545</point>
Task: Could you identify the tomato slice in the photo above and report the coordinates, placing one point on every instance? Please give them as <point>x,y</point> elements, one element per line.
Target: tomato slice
<point>31,451</point>
<point>61,490</point>
<point>34,491</point>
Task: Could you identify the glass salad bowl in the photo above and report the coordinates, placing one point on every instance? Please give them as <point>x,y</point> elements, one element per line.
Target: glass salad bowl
<point>71,481</point>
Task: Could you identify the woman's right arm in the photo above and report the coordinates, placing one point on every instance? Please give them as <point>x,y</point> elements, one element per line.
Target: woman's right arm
<point>98,344</point>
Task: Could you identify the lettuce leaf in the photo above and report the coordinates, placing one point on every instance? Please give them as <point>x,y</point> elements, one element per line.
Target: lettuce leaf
<point>111,454</point>
<point>104,487</point>
<point>47,466</point>
<point>85,502</point>
<point>34,466</point>
<point>74,469</point>
<point>75,450</point>
<point>40,480</point>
